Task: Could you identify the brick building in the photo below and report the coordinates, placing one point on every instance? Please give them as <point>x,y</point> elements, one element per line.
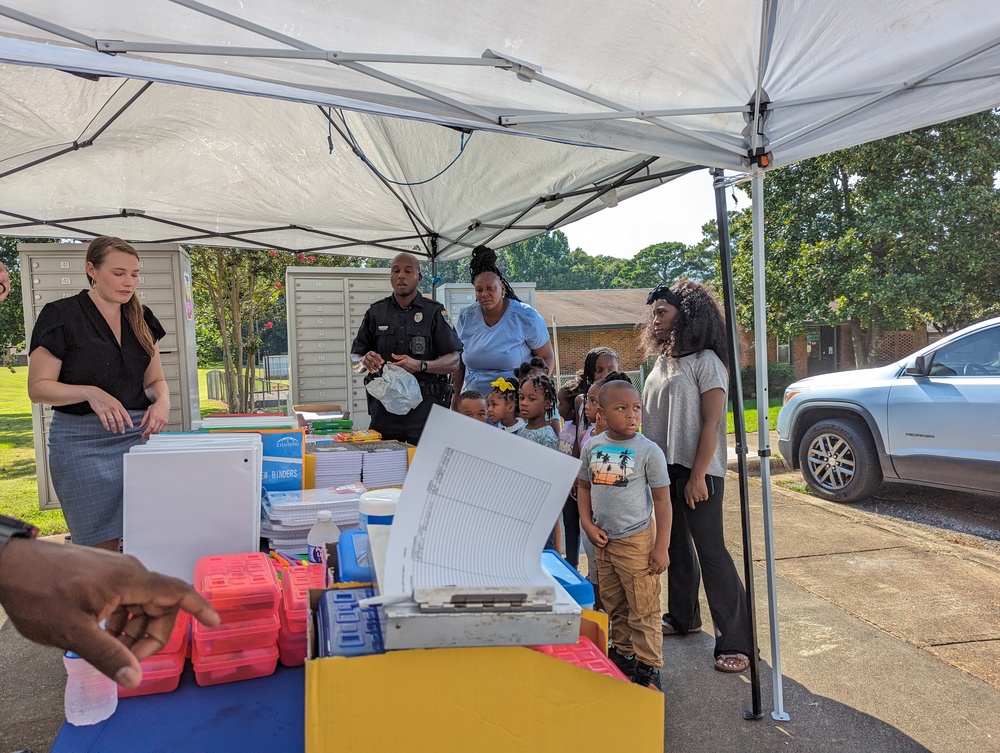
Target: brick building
<point>588,319</point>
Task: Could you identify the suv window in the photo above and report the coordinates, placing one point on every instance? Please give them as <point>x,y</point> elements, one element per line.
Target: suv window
<point>975,355</point>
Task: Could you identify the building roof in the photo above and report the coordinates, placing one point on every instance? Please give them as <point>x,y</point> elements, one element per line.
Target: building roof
<point>589,309</point>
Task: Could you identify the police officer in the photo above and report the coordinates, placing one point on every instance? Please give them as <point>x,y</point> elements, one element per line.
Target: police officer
<point>412,332</point>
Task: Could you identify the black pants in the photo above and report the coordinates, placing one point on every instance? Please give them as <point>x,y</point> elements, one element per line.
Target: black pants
<point>406,428</point>
<point>696,539</point>
<point>571,524</point>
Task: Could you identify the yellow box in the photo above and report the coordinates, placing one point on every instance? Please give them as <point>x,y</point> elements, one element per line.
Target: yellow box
<point>498,699</point>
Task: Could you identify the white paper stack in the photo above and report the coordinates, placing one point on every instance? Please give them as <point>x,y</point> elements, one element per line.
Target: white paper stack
<point>384,465</point>
<point>336,464</point>
<point>288,516</point>
<point>192,495</point>
<point>250,421</point>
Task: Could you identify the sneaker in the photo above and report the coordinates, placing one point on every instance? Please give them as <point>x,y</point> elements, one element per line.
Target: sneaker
<point>647,676</point>
<point>626,664</point>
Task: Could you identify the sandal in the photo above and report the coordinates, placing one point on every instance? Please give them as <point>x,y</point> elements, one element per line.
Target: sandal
<point>668,627</point>
<point>732,663</point>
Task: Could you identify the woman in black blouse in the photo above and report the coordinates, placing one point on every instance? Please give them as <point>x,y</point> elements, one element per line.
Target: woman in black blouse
<point>94,359</point>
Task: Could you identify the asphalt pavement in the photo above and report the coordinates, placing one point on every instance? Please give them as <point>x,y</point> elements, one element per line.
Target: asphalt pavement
<point>889,641</point>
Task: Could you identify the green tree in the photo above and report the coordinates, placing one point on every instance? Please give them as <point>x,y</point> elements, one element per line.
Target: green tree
<point>882,236</point>
<point>11,311</point>
<point>665,263</point>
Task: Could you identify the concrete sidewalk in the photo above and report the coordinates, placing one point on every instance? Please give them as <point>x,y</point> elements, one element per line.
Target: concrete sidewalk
<point>890,641</point>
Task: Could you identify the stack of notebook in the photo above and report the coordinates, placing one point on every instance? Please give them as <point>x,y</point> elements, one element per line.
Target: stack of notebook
<point>288,516</point>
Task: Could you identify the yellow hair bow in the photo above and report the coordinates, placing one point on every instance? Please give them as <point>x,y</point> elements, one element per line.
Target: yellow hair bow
<point>503,385</point>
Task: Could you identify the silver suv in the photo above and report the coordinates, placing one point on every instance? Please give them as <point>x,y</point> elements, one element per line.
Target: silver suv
<point>932,418</point>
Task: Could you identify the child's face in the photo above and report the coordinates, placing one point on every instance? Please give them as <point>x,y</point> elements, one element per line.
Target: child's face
<point>533,403</point>
<point>499,410</point>
<point>565,406</point>
<point>622,411</point>
<point>591,406</point>
<point>604,365</point>
<point>473,408</point>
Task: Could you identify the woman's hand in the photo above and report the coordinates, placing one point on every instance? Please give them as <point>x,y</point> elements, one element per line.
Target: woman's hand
<point>695,490</point>
<point>112,413</point>
<point>155,418</point>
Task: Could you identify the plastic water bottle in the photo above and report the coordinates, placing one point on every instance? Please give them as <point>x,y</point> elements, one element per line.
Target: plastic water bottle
<point>323,532</point>
<point>91,697</point>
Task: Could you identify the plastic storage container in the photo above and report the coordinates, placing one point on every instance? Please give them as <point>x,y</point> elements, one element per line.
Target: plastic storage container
<point>236,636</point>
<point>578,587</point>
<point>239,665</point>
<point>353,562</point>
<point>584,654</point>
<point>295,585</point>
<point>90,696</point>
<point>291,645</point>
<point>343,628</point>
<point>161,673</point>
<point>241,587</point>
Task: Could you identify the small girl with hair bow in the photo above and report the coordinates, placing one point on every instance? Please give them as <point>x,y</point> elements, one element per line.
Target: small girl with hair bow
<point>502,406</point>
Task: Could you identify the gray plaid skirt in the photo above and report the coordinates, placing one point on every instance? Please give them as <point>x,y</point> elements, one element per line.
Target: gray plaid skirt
<point>87,470</point>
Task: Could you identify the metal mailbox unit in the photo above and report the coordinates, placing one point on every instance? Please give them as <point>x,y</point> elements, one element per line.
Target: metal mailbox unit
<point>325,308</point>
<point>50,271</point>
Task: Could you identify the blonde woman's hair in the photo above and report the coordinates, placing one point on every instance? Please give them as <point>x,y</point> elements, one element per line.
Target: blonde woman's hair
<point>97,251</point>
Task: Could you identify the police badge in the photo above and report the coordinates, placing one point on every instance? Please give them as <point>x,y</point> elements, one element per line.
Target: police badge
<point>418,317</point>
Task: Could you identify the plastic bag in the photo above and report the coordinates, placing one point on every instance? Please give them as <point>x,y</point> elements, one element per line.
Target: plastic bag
<point>397,389</point>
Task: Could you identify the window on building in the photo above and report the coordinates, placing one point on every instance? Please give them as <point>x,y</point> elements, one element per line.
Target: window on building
<point>785,352</point>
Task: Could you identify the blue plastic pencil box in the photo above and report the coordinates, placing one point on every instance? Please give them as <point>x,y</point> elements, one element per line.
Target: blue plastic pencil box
<point>343,628</point>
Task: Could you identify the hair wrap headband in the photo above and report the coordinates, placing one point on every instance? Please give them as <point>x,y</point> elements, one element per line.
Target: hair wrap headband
<point>663,293</point>
<point>503,385</point>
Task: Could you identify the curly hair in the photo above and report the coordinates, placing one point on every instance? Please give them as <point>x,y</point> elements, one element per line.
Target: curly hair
<point>544,385</point>
<point>484,259</point>
<point>699,325</point>
<point>536,363</point>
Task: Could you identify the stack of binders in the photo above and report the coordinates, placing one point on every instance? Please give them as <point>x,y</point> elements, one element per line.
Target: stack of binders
<point>243,589</point>
<point>294,613</point>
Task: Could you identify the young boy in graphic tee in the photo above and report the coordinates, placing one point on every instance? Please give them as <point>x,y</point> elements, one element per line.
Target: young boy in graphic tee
<point>623,479</point>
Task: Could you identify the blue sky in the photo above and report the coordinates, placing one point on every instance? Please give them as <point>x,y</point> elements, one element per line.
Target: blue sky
<point>673,212</point>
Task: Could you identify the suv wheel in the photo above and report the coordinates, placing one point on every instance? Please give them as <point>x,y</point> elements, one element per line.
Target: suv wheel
<point>838,460</point>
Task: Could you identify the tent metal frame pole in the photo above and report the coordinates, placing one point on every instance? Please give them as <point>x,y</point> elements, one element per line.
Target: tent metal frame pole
<point>739,423</point>
<point>764,437</point>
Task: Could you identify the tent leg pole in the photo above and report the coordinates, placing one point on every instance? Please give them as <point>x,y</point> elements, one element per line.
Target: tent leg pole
<point>763,429</point>
<point>736,395</point>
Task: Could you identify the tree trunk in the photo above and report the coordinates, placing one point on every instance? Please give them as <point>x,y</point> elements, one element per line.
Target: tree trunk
<point>858,342</point>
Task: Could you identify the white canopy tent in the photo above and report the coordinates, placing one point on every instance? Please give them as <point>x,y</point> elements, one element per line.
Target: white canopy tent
<point>649,89</point>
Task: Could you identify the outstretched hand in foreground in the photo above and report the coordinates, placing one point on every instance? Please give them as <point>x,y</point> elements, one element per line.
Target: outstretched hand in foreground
<point>56,595</point>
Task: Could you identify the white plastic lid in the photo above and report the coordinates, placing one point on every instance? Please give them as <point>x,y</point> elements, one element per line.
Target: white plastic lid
<point>379,502</point>
<point>324,515</point>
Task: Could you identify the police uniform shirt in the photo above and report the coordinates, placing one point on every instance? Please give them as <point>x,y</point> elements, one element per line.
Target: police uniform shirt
<point>420,331</point>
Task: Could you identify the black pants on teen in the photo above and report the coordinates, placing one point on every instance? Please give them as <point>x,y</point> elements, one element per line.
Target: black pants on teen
<point>571,525</point>
<point>698,552</point>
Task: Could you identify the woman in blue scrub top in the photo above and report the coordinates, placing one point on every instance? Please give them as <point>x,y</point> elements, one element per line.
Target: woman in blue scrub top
<point>498,331</point>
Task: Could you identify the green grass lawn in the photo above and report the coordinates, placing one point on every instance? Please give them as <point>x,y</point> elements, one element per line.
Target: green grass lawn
<point>750,415</point>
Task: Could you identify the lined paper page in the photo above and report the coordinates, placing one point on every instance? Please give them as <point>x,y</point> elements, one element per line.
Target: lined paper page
<point>476,508</point>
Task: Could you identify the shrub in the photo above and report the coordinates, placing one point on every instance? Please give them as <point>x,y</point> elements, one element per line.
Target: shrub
<point>779,376</point>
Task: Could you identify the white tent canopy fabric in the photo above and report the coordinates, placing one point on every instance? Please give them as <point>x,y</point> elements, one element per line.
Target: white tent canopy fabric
<point>713,84</point>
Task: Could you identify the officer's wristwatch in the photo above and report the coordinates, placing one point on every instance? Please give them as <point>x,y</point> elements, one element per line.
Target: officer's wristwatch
<point>423,366</point>
<point>12,528</point>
